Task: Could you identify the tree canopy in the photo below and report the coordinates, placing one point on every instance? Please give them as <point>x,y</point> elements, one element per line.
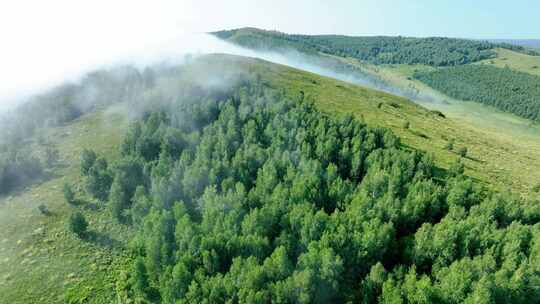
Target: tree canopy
<point>253,197</point>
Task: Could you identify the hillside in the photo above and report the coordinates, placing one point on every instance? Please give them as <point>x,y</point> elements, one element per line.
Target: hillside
<point>434,51</point>
<point>496,158</point>
<point>515,61</point>
<point>260,197</point>
<point>505,89</point>
<point>92,269</point>
<point>395,69</point>
<point>40,261</point>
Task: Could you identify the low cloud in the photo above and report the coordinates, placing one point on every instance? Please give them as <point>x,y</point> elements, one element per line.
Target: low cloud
<point>60,41</point>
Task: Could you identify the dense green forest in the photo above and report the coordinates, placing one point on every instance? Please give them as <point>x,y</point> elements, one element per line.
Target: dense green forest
<point>505,89</point>
<point>434,51</point>
<point>248,196</point>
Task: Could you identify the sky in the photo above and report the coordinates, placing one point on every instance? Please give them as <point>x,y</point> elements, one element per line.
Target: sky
<point>487,19</point>
<point>45,42</point>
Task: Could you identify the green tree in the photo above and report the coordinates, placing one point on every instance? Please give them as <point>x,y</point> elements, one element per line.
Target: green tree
<point>457,168</point>
<point>69,195</point>
<point>141,204</point>
<point>139,281</point>
<point>129,175</point>
<point>118,199</point>
<point>320,273</point>
<point>88,158</point>
<point>43,209</point>
<point>449,145</point>
<point>78,224</point>
<point>99,180</point>
<point>371,286</point>
<point>462,151</point>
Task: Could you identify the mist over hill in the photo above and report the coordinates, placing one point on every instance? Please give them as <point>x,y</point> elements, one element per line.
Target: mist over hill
<point>254,166</point>
<point>433,51</point>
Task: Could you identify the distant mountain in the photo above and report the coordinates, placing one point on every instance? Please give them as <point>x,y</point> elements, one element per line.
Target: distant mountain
<point>433,51</point>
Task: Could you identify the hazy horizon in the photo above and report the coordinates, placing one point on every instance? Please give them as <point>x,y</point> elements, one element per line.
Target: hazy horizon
<point>45,43</point>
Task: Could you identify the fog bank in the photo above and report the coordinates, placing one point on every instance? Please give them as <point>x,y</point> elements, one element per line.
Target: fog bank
<point>59,41</point>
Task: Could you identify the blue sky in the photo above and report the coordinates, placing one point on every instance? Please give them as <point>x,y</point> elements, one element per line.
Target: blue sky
<point>516,19</point>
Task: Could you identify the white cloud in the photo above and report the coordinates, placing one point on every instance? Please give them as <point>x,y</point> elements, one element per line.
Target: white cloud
<point>46,42</point>
<point>43,43</point>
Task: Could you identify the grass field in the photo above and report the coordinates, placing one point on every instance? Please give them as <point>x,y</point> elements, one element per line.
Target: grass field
<point>516,61</point>
<point>41,262</point>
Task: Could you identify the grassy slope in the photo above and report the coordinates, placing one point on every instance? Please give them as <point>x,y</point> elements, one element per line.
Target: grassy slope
<point>516,61</point>
<point>507,146</point>
<point>504,149</point>
<point>39,260</point>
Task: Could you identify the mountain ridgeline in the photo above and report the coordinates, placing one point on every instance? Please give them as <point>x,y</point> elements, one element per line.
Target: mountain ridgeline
<point>252,196</point>
<point>433,51</point>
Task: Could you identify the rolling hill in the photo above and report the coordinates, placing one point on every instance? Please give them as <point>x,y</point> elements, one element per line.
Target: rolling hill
<point>515,61</point>
<point>433,51</point>
<point>94,269</point>
<point>40,261</point>
<point>424,53</point>
<point>486,121</point>
<point>505,89</point>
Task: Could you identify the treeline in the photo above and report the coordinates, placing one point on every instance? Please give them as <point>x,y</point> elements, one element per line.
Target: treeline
<point>508,90</point>
<point>434,51</point>
<point>252,197</point>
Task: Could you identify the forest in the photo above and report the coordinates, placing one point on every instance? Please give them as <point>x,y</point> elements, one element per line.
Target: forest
<point>433,51</point>
<point>249,196</point>
<point>503,88</point>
